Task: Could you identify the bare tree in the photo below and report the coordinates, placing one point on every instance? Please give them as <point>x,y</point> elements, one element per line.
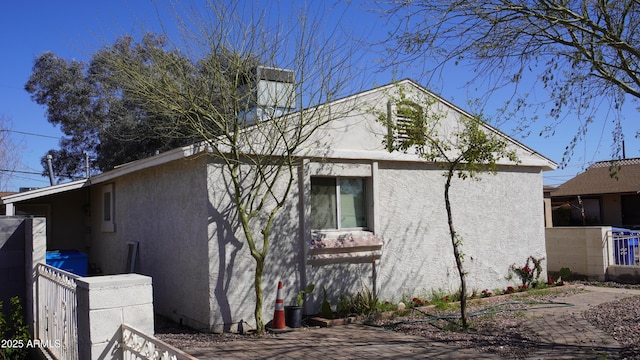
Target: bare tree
<point>581,51</point>
<point>9,153</point>
<point>465,150</point>
<point>252,115</point>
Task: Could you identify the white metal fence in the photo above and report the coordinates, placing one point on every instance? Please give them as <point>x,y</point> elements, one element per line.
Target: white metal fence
<point>57,312</point>
<point>137,345</point>
<point>625,247</point>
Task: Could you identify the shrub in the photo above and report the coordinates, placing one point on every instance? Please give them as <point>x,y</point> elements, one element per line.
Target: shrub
<point>364,302</point>
<point>485,293</point>
<point>530,273</point>
<point>15,330</point>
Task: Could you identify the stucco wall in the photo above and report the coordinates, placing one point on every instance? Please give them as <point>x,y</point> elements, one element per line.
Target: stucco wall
<point>164,209</point>
<point>582,249</point>
<point>231,267</point>
<point>499,218</point>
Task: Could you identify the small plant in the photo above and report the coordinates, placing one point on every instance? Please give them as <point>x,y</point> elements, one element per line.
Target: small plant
<point>325,310</point>
<point>15,330</point>
<point>530,273</point>
<point>564,273</point>
<point>443,300</point>
<point>419,302</point>
<point>474,293</point>
<point>364,302</point>
<point>485,293</point>
<point>302,294</point>
<point>387,306</point>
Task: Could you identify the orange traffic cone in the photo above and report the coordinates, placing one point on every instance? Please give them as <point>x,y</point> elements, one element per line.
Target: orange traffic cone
<point>278,315</point>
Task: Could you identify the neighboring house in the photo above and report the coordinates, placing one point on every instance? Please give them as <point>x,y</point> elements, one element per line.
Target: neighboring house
<point>384,211</point>
<point>3,210</point>
<point>607,193</point>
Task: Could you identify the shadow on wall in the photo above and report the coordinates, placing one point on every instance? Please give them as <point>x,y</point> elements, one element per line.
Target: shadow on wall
<point>226,242</point>
<point>233,284</point>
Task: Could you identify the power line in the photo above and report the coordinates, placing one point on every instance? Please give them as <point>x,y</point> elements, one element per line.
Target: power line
<point>31,134</point>
<point>21,172</point>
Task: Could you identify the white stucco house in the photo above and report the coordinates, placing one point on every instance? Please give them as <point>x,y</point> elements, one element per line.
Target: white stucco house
<point>350,191</point>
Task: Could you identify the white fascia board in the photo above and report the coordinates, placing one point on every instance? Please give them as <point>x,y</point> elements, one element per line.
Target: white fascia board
<point>45,191</point>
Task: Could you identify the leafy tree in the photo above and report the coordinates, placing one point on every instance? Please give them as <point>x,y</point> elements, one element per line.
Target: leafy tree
<point>98,117</point>
<point>259,154</point>
<point>580,51</point>
<point>464,150</point>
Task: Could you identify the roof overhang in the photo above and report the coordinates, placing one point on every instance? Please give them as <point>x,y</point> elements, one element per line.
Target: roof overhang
<point>46,191</point>
<point>133,166</point>
<point>162,158</point>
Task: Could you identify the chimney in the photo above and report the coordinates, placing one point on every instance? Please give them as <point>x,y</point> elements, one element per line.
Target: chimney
<point>50,167</point>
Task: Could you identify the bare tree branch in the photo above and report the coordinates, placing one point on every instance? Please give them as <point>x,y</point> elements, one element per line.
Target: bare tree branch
<point>253,116</point>
<point>578,50</point>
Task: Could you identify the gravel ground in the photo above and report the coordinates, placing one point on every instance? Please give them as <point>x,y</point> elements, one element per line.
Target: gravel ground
<point>495,326</point>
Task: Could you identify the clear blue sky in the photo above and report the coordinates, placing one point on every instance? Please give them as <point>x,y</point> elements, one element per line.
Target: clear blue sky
<point>75,29</point>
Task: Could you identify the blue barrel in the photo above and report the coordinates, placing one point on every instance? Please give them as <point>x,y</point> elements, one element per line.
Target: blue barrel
<point>72,261</point>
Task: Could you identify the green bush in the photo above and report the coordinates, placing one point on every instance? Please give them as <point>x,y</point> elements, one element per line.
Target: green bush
<point>364,302</point>
<point>14,331</point>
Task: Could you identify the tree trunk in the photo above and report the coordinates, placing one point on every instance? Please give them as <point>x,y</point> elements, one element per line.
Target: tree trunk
<point>257,285</point>
<point>456,252</point>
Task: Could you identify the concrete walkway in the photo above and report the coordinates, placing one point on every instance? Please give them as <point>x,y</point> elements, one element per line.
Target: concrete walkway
<point>564,334</point>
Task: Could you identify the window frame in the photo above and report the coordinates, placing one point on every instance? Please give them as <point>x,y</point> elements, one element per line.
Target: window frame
<point>338,210</point>
<point>107,213</point>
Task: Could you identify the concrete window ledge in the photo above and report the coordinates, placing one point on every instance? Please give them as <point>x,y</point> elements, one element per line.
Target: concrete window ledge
<point>344,247</point>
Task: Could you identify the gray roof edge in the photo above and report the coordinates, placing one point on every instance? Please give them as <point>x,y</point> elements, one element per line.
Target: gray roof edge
<point>45,191</point>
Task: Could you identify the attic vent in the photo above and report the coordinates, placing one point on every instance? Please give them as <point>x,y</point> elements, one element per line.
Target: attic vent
<point>407,125</point>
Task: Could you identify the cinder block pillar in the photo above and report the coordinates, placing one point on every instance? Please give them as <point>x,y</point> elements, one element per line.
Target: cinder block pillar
<point>35,253</point>
<point>104,303</point>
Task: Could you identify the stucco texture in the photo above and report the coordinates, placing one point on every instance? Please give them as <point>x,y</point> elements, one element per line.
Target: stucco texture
<point>182,214</point>
<point>231,266</point>
<point>164,209</point>
<point>499,219</point>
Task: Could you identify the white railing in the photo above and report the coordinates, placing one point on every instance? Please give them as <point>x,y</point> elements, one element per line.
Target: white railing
<point>625,247</point>
<point>137,345</point>
<point>57,312</point>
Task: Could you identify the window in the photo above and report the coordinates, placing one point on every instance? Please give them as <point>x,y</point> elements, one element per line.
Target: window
<point>108,223</point>
<point>338,203</point>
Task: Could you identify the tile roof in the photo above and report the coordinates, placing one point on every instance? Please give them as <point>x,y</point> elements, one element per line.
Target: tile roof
<point>604,177</point>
